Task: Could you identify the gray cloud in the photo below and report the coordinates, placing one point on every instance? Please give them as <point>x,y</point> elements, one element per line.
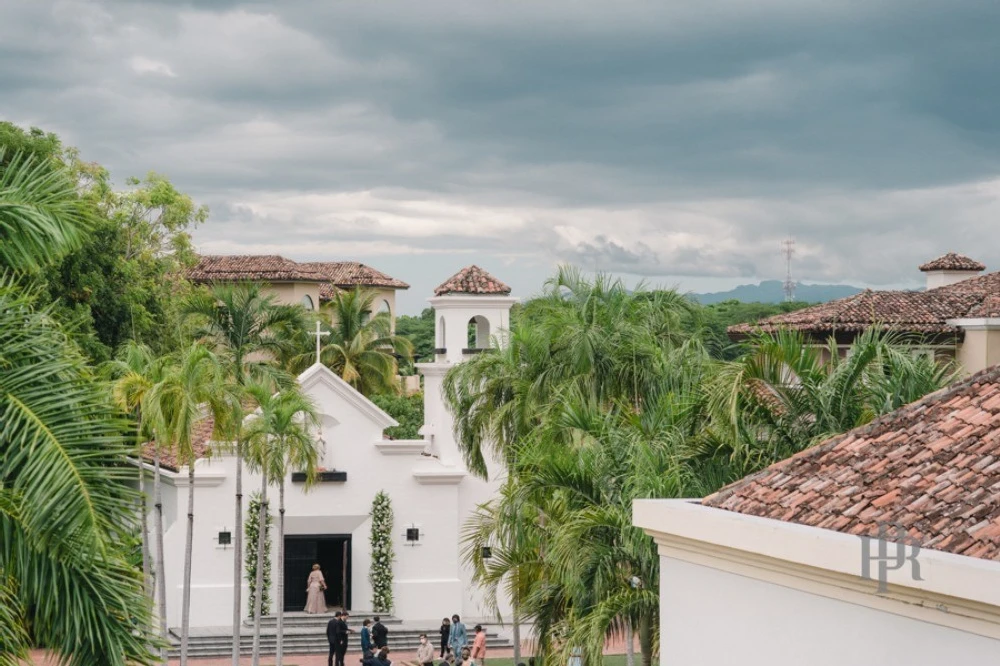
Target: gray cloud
<point>677,141</point>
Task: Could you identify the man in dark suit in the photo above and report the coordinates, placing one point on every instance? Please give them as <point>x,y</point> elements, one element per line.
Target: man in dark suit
<point>342,631</point>
<point>332,638</point>
<point>380,635</point>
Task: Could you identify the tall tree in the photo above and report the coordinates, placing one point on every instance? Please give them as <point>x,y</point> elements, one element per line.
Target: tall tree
<point>784,394</point>
<point>361,348</point>
<point>124,280</point>
<point>282,436</point>
<point>249,329</point>
<point>590,347</point>
<point>135,370</point>
<point>192,389</point>
<point>66,509</point>
<point>65,506</point>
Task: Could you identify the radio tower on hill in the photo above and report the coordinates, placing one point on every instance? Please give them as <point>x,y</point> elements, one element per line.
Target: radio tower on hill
<point>788,249</point>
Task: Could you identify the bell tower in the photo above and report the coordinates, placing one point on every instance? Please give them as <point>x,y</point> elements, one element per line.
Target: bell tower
<point>471,315</point>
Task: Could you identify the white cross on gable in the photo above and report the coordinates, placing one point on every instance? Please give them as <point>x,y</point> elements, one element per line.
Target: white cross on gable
<point>320,334</point>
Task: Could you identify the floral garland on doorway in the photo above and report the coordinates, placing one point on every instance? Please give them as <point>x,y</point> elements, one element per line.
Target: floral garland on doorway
<point>382,556</point>
<point>250,529</point>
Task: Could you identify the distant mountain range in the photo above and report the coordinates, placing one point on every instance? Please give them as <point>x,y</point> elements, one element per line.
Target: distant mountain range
<point>771,291</point>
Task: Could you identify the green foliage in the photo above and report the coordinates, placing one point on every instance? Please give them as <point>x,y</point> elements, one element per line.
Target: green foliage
<point>719,316</point>
<point>122,278</point>
<point>604,395</point>
<point>66,509</point>
<point>41,218</point>
<point>281,435</point>
<point>420,332</point>
<point>380,575</point>
<point>407,410</point>
<point>14,639</point>
<point>34,143</point>
<point>360,347</point>
<point>251,530</point>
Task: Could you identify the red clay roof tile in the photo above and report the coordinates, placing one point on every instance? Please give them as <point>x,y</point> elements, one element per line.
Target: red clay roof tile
<point>472,280</point>
<point>952,262</point>
<point>262,267</point>
<point>918,312</point>
<point>349,274</point>
<point>902,468</point>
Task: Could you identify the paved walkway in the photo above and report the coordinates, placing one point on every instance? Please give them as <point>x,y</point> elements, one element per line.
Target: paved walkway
<point>320,659</point>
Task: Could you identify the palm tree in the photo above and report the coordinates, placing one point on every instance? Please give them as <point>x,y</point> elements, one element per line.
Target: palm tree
<point>192,389</point>
<point>361,348</point>
<point>65,506</point>
<point>135,371</point>
<point>785,395</point>
<point>41,216</point>
<point>590,343</point>
<point>66,510</point>
<point>280,437</point>
<point>250,330</point>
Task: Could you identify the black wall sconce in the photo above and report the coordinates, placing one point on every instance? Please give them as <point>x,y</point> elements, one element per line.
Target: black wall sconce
<point>486,552</point>
<point>225,538</point>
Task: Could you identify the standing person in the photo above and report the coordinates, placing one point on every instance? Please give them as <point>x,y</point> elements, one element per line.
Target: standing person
<point>445,633</point>
<point>366,639</point>
<point>342,631</point>
<point>315,587</point>
<point>380,635</point>
<point>331,637</point>
<point>479,646</point>
<point>458,638</point>
<point>425,652</point>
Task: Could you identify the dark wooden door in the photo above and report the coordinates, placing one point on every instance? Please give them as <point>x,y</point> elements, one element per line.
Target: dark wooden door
<point>332,554</point>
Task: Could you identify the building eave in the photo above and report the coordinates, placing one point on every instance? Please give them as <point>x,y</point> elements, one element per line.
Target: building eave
<point>955,590</point>
<point>976,324</point>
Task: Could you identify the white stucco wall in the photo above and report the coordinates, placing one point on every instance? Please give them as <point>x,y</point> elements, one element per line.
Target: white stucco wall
<point>427,583</point>
<point>711,617</point>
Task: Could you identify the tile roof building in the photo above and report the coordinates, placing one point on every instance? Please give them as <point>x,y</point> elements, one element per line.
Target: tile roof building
<point>878,545</point>
<point>308,283</point>
<point>251,267</point>
<point>472,280</point>
<point>952,318</point>
<point>932,467</point>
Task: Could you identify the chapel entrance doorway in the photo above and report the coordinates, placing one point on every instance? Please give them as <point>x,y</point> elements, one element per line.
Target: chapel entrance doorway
<point>332,552</point>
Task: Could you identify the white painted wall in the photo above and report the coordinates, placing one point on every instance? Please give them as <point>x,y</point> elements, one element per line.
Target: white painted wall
<point>716,618</point>
<point>426,579</point>
<point>427,482</point>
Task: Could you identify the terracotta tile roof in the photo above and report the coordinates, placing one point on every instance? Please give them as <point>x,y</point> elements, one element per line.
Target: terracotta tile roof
<point>923,312</point>
<point>932,467</point>
<point>472,280</point>
<point>349,274</point>
<point>953,262</point>
<point>200,443</point>
<point>264,267</point>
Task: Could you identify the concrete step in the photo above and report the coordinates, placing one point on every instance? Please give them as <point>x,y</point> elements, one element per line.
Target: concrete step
<point>306,634</point>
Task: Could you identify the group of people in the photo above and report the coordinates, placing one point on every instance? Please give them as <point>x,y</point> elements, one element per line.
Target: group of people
<point>455,650</point>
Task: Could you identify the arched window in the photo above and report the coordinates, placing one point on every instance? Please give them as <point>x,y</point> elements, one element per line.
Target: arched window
<point>307,302</point>
<point>479,332</point>
<point>384,307</point>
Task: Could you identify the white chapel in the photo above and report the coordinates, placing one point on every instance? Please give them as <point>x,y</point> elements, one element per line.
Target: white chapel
<point>431,490</point>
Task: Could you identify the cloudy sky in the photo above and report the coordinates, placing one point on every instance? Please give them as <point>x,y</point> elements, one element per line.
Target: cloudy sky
<point>673,141</point>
